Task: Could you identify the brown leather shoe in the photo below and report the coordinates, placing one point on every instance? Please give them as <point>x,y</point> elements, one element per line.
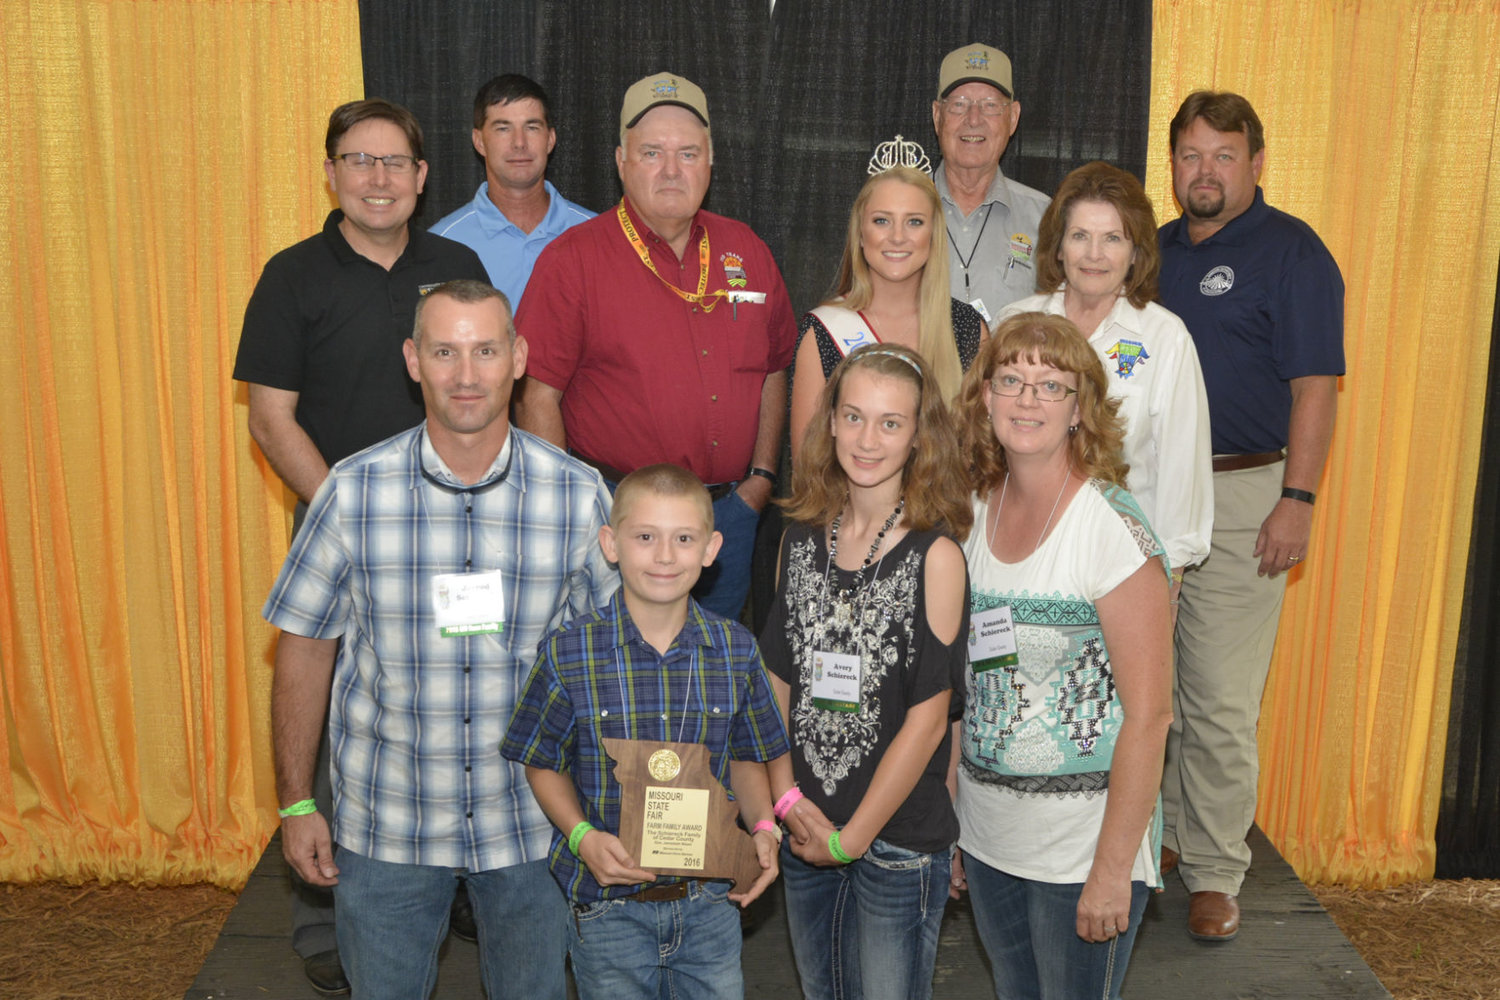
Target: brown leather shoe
<point>1213,916</point>
<point>1168,860</point>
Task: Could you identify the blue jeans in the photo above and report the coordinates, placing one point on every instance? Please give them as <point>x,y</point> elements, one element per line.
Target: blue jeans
<point>724,586</point>
<point>867,929</point>
<point>392,919</point>
<point>1029,931</point>
<point>689,948</point>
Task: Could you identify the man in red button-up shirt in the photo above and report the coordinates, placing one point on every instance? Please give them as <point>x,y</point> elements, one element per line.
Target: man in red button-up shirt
<point>662,333</point>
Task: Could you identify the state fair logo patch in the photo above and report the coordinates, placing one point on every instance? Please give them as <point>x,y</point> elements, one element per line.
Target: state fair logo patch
<point>734,269</point>
<point>1218,281</point>
<point>1126,355</point>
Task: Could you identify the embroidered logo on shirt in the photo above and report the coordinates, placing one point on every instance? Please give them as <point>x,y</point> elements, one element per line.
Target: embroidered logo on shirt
<point>1020,249</point>
<point>1218,281</point>
<point>734,269</point>
<point>1127,354</point>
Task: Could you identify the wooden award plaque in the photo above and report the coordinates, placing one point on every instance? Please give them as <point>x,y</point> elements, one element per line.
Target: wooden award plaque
<point>675,818</point>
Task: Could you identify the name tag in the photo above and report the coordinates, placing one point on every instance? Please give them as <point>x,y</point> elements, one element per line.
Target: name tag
<point>835,685</point>
<point>468,603</point>
<point>984,313</point>
<point>992,640</point>
<point>738,296</point>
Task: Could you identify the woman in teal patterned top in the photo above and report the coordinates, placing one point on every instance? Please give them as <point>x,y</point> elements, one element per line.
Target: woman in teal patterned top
<point>1070,672</point>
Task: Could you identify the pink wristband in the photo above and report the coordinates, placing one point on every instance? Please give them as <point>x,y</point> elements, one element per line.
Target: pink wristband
<point>764,824</point>
<point>784,804</point>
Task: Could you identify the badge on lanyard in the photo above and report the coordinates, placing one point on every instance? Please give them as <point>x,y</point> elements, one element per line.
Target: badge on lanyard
<point>835,681</point>
<point>978,305</point>
<point>992,640</point>
<point>468,603</point>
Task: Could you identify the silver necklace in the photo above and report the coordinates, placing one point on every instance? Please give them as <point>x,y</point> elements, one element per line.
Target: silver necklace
<point>1047,524</point>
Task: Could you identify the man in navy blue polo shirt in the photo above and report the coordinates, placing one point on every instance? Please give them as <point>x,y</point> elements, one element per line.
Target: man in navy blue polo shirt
<point>1264,301</point>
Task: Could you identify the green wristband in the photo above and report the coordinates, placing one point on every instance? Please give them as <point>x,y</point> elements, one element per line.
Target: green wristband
<point>576,837</point>
<point>304,808</point>
<point>837,849</point>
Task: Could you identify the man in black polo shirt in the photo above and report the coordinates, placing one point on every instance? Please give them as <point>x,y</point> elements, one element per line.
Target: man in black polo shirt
<point>321,352</point>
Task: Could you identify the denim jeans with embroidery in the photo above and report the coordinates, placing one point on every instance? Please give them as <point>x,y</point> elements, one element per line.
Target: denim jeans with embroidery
<point>867,929</point>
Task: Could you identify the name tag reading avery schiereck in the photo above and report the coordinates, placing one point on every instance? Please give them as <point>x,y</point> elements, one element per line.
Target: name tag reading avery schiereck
<point>992,639</point>
<point>835,681</point>
<point>468,603</point>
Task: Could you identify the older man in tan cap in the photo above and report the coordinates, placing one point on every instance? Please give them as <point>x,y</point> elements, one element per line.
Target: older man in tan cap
<point>992,221</point>
<point>661,333</point>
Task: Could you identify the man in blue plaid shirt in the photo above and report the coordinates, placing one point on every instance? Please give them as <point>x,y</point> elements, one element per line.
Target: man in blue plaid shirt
<point>441,556</point>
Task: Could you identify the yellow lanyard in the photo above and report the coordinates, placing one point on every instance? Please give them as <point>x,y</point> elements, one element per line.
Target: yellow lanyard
<point>706,301</point>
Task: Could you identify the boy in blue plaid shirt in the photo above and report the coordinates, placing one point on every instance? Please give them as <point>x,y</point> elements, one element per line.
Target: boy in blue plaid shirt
<point>649,665</point>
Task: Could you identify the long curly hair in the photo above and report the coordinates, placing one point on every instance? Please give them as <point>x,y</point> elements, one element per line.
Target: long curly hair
<point>935,309</point>
<point>934,481</point>
<point>1094,450</point>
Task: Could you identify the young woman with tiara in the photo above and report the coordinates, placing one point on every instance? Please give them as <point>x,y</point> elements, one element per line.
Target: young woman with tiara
<point>892,288</point>
<point>866,647</point>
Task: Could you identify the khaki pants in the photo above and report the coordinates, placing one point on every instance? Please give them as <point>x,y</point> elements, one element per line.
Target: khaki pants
<point>1226,629</point>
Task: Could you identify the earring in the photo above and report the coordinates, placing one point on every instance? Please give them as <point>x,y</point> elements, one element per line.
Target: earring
<point>1073,429</point>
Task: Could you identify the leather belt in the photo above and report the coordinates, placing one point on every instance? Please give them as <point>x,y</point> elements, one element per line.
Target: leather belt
<point>612,475</point>
<point>660,893</point>
<point>1234,463</point>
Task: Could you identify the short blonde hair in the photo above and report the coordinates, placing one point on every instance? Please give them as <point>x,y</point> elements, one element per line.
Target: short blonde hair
<point>663,480</point>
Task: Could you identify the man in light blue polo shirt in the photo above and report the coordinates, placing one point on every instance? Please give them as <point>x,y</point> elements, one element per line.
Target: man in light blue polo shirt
<point>516,211</point>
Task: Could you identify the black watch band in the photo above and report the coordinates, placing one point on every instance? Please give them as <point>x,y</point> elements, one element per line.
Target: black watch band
<point>756,470</point>
<point>1307,497</point>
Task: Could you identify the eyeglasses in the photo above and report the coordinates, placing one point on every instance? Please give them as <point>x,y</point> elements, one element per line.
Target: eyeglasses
<point>1048,391</point>
<point>395,163</point>
<point>990,107</point>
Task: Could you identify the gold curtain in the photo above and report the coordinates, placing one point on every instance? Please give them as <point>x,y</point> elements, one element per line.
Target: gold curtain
<point>1381,133</point>
<point>163,150</point>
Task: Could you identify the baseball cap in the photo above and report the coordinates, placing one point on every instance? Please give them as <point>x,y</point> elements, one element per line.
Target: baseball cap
<point>975,63</point>
<point>662,88</point>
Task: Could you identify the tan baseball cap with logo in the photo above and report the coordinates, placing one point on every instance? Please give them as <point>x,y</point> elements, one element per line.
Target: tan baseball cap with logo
<point>658,89</point>
<point>974,63</point>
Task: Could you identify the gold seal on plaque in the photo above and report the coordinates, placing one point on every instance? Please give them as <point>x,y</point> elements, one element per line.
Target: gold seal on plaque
<point>664,765</point>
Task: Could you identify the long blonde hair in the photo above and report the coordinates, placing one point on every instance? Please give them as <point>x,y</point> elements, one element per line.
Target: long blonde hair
<point>852,290</point>
<point>934,481</point>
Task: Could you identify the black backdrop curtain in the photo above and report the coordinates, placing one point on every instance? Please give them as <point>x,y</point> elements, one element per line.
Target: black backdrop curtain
<point>799,98</point>
<point>1468,830</point>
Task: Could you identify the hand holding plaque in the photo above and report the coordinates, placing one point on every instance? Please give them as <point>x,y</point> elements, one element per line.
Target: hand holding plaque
<point>675,817</point>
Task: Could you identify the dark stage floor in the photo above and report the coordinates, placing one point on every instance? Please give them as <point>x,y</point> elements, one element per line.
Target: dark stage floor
<point>1287,947</point>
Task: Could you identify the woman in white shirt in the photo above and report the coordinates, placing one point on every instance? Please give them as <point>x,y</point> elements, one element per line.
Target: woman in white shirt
<point>1097,255</point>
<point>1069,688</point>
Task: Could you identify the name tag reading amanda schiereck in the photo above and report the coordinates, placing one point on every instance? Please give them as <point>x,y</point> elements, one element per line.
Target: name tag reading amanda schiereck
<point>468,603</point>
<point>992,639</point>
